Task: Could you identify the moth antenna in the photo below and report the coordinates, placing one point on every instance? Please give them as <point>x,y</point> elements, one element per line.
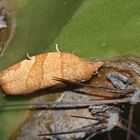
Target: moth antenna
<point>57,48</point>
<point>28,56</point>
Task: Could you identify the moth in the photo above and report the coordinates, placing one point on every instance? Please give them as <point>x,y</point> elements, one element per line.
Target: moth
<point>37,73</point>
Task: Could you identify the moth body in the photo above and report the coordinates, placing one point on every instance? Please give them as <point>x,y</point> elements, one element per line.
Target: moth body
<point>37,73</point>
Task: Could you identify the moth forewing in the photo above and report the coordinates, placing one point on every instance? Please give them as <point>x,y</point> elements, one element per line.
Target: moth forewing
<point>37,73</point>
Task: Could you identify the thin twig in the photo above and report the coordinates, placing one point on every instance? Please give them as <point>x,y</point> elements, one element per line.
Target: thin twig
<point>108,89</point>
<point>88,118</point>
<point>66,105</point>
<point>94,132</point>
<point>123,127</point>
<point>126,121</point>
<point>130,119</point>
<point>74,131</point>
<point>109,136</point>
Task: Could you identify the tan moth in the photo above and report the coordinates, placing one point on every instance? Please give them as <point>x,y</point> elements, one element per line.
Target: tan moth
<point>37,73</point>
